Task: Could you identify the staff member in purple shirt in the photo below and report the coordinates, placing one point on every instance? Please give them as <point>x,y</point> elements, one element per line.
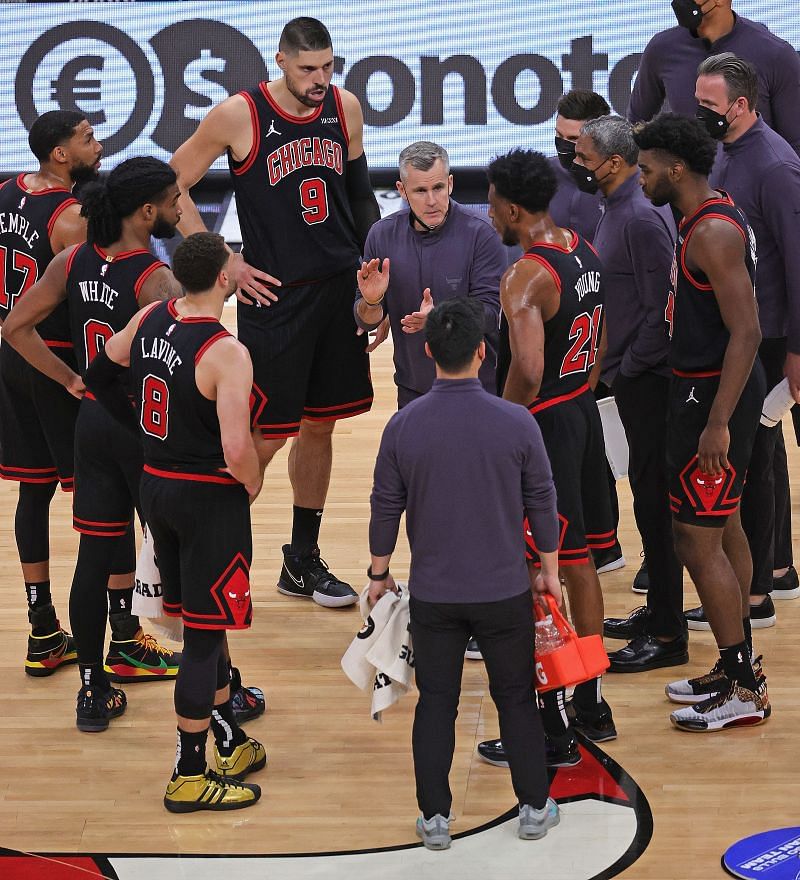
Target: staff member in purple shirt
<point>437,250</point>
<point>635,241</point>
<point>761,172</point>
<point>572,208</point>
<point>670,59</point>
<point>465,466</point>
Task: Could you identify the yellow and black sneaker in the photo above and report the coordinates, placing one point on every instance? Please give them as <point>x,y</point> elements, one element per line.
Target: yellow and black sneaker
<point>49,652</point>
<point>245,758</point>
<point>187,794</point>
<point>141,658</point>
<point>96,707</point>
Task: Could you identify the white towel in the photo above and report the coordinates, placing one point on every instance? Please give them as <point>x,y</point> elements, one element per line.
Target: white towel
<point>381,656</point>
<point>147,594</point>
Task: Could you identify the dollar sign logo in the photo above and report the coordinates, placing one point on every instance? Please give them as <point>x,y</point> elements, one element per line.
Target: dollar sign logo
<point>207,91</point>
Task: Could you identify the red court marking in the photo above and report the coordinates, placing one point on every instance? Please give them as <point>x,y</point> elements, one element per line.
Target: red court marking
<point>40,868</point>
<point>587,778</point>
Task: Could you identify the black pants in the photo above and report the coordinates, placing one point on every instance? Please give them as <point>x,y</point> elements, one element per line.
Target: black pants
<point>504,631</point>
<point>643,404</point>
<point>766,492</point>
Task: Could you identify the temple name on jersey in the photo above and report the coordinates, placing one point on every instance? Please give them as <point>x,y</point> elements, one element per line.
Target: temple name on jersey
<point>589,282</point>
<point>301,153</point>
<point>98,291</point>
<point>17,224</point>
<point>163,351</point>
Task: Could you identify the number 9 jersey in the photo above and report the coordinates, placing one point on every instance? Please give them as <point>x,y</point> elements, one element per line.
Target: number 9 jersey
<point>290,191</point>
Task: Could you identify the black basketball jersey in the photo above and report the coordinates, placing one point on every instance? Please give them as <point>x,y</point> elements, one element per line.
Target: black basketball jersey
<point>698,335</point>
<point>27,218</point>
<point>180,427</point>
<point>290,191</point>
<point>572,335</point>
<point>103,295</point>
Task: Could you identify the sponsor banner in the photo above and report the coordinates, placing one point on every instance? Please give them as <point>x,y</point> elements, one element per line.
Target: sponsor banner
<point>478,77</point>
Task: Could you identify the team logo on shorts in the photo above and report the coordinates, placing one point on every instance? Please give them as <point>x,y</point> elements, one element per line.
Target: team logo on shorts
<point>231,594</point>
<point>709,494</point>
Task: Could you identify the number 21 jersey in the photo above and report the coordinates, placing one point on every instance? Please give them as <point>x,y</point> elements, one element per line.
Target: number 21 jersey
<point>291,196</point>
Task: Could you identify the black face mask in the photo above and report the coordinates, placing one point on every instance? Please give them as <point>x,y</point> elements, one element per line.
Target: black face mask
<point>586,179</point>
<point>565,150</point>
<point>689,14</point>
<point>716,124</point>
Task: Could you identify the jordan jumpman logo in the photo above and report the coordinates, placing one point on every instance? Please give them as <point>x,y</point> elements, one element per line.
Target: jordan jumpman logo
<point>691,398</point>
<point>272,129</point>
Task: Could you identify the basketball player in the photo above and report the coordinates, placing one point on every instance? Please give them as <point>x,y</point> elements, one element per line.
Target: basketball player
<point>552,301</point>
<point>193,384</point>
<point>38,219</point>
<point>715,406</point>
<point>104,283</point>
<point>305,204</point>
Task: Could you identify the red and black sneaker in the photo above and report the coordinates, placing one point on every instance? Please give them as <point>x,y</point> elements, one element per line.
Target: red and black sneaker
<point>96,707</point>
<point>247,702</point>
<point>50,651</point>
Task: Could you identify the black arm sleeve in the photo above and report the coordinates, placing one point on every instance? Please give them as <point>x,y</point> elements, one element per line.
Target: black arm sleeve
<point>103,379</point>
<point>363,203</point>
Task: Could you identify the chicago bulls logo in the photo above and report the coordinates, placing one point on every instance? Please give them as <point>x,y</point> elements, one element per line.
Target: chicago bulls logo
<point>231,594</point>
<point>709,494</point>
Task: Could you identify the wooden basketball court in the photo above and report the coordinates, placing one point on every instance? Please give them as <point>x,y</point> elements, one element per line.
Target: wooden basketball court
<point>337,781</point>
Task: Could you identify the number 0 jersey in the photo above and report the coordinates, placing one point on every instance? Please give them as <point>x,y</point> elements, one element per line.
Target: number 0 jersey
<point>698,335</point>
<point>572,335</point>
<point>103,295</point>
<point>180,427</point>
<point>27,219</point>
<point>290,191</point>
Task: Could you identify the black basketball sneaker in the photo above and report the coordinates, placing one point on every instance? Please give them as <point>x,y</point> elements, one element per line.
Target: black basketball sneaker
<point>97,706</point>
<point>309,577</point>
<point>247,702</point>
<point>50,651</point>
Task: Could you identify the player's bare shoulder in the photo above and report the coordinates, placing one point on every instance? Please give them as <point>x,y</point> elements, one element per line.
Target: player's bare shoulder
<point>525,283</point>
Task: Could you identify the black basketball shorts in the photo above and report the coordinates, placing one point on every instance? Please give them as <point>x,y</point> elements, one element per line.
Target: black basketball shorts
<point>702,499</point>
<point>37,422</point>
<point>307,359</point>
<point>204,548</point>
<point>108,467</point>
<point>573,437</point>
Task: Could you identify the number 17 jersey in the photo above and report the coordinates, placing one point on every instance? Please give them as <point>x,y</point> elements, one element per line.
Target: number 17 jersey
<point>291,194</point>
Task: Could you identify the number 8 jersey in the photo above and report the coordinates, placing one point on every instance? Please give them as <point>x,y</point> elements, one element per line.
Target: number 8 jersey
<point>572,335</point>
<point>290,191</point>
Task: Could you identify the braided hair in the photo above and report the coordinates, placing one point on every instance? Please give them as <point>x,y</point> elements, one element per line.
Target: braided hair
<point>130,185</point>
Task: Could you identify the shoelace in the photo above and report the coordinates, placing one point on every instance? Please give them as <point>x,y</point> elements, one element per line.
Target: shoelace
<point>716,669</point>
<point>149,643</point>
<point>224,781</point>
<point>320,568</point>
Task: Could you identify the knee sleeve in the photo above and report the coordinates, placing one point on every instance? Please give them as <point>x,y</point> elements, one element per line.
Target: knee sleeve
<point>88,598</point>
<point>32,521</point>
<point>223,671</point>
<point>125,553</point>
<point>197,679</point>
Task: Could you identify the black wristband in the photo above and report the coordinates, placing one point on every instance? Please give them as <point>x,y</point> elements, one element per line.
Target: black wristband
<point>377,577</point>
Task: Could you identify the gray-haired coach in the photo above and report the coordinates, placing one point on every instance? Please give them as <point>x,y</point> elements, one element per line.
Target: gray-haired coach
<point>466,467</point>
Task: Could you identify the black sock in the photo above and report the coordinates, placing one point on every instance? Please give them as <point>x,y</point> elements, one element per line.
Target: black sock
<point>305,529</point>
<point>190,757</point>
<point>554,715</point>
<point>748,634</point>
<point>120,601</point>
<point>588,696</point>
<point>227,733</point>
<point>737,666</point>
<point>38,594</point>
<point>124,625</point>
<point>93,675</point>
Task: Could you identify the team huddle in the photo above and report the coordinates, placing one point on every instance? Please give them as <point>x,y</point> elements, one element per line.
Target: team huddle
<point>119,381</point>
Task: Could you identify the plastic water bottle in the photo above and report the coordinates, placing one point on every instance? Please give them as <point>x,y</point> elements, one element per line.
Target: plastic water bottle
<point>776,404</point>
<point>548,638</point>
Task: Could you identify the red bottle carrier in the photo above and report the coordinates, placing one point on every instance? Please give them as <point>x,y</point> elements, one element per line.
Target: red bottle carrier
<point>580,658</point>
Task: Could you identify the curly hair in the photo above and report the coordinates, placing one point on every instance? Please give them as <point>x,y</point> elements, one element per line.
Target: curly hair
<point>198,260</point>
<point>525,178</point>
<point>684,138</point>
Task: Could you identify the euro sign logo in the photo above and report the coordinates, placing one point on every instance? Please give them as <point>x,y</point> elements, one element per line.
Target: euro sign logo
<point>69,90</point>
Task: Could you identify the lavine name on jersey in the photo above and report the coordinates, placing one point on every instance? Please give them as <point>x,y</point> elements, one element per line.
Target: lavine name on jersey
<point>302,152</point>
<point>17,224</point>
<point>589,282</point>
<point>98,291</point>
<point>163,351</point>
